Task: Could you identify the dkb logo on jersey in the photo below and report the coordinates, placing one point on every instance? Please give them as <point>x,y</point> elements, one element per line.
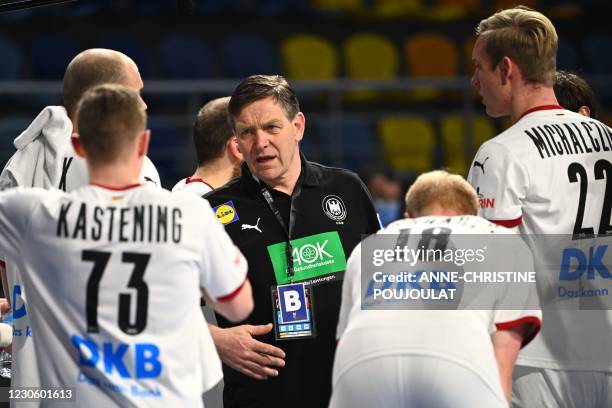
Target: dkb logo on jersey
<point>293,306</point>
<point>226,213</point>
<point>591,263</point>
<point>146,357</point>
<point>313,256</point>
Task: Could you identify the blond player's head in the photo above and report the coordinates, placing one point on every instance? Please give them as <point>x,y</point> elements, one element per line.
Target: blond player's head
<point>112,122</point>
<point>525,36</point>
<point>440,193</point>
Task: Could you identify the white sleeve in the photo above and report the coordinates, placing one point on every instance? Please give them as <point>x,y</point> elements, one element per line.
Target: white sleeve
<point>519,303</point>
<point>501,182</point>
<point>225,267</point>
<point>351,289</point>
<point>149,173</point>
<point>15,214</point>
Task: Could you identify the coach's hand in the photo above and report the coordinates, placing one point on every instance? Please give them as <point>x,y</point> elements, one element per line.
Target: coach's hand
<point>239,350</point>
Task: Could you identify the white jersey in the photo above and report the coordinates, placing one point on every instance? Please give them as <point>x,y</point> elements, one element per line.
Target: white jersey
<point>461,336</point>
<point>551,173</point>
<point>194,185</point>
<point>113,281</point>
<point>44,158</point>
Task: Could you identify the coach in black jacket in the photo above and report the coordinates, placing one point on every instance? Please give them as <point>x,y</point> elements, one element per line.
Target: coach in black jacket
<point>296,222</point>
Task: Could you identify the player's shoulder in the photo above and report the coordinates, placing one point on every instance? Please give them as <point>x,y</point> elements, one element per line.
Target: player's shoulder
<point>179,186</point>
<point>332,174</point>
<point>231,190</point>
<point>460,224</point>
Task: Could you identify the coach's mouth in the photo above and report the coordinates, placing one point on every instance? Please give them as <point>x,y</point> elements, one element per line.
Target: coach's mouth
<point>264,159</point>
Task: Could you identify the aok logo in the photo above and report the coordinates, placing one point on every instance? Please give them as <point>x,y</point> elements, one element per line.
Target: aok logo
<point>310,253</point>
<point>576,262</point>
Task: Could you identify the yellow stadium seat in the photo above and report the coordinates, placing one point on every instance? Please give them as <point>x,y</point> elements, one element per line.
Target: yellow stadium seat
<point>370,56</point>
<point>430,55</point>
<point>338,5</point>
<point>396,8</point>
<point>453,133</point>
<point>408,142</point>
<point>308,56</point>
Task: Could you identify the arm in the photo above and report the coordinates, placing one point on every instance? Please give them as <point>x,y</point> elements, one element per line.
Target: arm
<point>236,306</point>
<point>506,346</point>
<point>501,182</point>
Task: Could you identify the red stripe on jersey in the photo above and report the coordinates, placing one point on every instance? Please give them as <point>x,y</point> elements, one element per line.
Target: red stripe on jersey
<point>533,321</point>
<point>508,223</point>
<point>232,295</point>
<point>197,180</point>
<point>116,188</point>
<point>539,108</point>
<point>2,264</point>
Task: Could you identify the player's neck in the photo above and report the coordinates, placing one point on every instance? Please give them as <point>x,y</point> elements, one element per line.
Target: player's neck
<point>115,175</point>
<point>530,97</point>
<point>216,173</point>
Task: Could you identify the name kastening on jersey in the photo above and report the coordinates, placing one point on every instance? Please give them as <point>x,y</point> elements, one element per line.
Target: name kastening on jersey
<point>570,138</point>
<point>144,223</point>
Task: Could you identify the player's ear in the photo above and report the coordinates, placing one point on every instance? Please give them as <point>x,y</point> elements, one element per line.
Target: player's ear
<point>143,143</point>
<point>505,70</point>
<point>232,147</point>
<point>76,144</point>
<point>408,215</point>
<point>585,110</point>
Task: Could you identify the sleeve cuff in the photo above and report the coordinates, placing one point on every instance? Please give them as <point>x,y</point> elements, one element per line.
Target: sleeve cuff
<point>233,294</point>
<point>534,322</point>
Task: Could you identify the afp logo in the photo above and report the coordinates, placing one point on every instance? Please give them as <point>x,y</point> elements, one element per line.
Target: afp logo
<point>334,208</point>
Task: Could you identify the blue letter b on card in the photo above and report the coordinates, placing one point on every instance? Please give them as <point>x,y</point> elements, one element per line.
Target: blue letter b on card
<point>292,300</point>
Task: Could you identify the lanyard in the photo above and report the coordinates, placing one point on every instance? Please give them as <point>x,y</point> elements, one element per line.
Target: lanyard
<point>288,231</point>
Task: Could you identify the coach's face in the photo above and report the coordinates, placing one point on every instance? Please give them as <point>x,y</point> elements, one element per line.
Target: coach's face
<point>268,139</point>
<point>490,81</point>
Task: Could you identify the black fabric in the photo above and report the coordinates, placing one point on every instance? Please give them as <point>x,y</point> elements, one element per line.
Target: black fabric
<point>305,381</point>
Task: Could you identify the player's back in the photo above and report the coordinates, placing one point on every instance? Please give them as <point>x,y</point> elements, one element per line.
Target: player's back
<point>557,163</point>
<point>550,175</point>
<point>114,292</point>
<point>379,325</point>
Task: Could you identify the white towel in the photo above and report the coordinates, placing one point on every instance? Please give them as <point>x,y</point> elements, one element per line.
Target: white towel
<point>39,147</point>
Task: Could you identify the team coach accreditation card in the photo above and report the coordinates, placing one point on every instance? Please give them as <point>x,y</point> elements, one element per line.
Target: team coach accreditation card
<point>317,259</point>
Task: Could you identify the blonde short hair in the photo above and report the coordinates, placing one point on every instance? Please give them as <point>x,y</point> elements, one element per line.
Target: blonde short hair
<point>110,117</point>
<point>525,36</point>
<point>449,191</point>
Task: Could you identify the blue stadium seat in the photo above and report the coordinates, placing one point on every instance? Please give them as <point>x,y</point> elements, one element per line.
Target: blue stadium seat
<point>567,56</point>
<point>350,143</point>
<point>243,55</point>
<point>169,149</point>
<point>184,57</point>
<point>131,47</point>
<point>50,55</point>
<point>597,60</point>
<point>10,63</point>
